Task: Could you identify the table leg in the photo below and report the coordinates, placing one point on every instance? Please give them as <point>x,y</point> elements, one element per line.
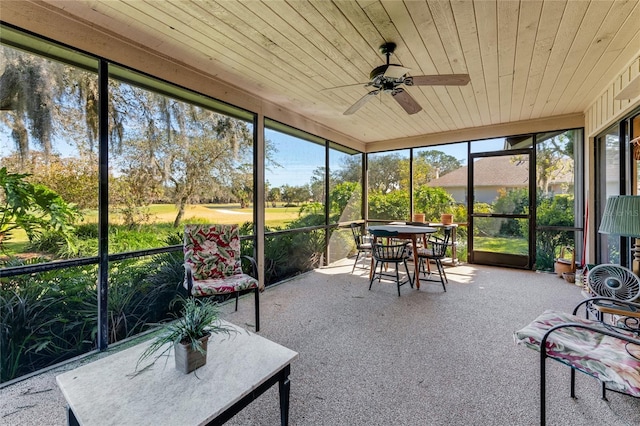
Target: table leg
<point>371,268</point>
<point>284,386</point>
<point>71,418</point>
<point>454,254</point>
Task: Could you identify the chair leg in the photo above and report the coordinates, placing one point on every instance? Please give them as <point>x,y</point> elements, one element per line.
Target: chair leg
<point>443,271</point>
<point>257,305</point>
<point>373,274</point>
<point>443,277</point>
<point>356,262</point>
<point>543,407</point>
<point>421,267</point>
<point>406,268</point>
<point>398,278</point>
<point>237,295</point>
<point>573,383</point>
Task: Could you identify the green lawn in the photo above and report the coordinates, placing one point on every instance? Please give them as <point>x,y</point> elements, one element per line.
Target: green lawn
<point>501,245</point>
<point>166,213</point>
<point>274,216</point>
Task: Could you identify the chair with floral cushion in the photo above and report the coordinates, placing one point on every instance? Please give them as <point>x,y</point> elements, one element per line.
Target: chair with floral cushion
<point>606,352</point>
<point>213,267</point>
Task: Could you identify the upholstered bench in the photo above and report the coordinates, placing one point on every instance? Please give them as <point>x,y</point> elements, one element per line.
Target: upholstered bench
<point>610,354</point>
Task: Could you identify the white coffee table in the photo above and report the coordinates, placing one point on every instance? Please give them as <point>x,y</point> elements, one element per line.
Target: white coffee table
<point>240,367</point>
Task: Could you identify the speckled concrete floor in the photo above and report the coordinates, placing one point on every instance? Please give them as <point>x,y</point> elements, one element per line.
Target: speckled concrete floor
<point>373,358</point>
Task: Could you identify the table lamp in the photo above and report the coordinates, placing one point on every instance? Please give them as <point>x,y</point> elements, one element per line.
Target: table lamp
<point>622,217</point>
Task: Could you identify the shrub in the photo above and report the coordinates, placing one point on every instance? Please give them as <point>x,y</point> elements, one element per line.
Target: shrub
<point>49,317</point>
<point>394,205</point>
<point>42,320</point>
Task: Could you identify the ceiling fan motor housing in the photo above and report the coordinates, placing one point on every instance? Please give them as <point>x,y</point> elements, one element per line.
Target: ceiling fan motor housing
<point>381,81</point>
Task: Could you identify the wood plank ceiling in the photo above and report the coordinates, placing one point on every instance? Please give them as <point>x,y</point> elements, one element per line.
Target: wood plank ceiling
<point>526,59</point>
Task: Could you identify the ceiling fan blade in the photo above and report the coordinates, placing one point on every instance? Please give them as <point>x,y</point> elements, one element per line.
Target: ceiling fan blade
<point>406,101</point>
<point>396,71</point>
<point>347,85</point>
<point>438,80</point>
<point>363,100</point>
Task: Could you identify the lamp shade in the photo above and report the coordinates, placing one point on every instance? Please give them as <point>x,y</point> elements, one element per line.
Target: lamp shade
<point>621,216</point>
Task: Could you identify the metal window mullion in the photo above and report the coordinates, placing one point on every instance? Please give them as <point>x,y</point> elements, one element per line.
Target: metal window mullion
<point>623,241</point>
<point>327,206</point>
<point>103,204</point>
<point>411,185</point>
<point>259,161</point>
<point>364,205</point>
<point>533,189</point>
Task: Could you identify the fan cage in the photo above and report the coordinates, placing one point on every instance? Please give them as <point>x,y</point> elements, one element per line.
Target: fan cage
<point>615,281</point>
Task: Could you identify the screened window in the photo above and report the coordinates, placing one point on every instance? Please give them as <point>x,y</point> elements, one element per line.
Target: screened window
<point>173,160</point>
<point>388,185</point>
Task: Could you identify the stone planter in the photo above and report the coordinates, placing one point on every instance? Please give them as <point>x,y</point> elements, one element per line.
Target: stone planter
<point>188,359</point>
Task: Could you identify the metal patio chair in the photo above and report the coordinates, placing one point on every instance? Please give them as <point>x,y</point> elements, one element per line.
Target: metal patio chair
<point>395,253</point>
<point>435,250</point>
<point>363,245</point>
<point>213,267</point>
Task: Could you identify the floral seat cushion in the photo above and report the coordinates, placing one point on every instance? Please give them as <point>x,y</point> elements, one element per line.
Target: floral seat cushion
<point>607,358</point>
<point>212,286</point>
<point>212,253</point>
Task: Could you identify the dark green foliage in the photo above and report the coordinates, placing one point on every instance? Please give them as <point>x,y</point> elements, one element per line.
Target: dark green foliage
<point>41,321</point>
<point>87,231</point>
<point>391,206</point>
<point>345,201</point>
<point>553,211</point>
<point>50,317</point>
<point>433,201</point>
<point>513,201</point>
<point>33,208</point>
<point>289,254</point>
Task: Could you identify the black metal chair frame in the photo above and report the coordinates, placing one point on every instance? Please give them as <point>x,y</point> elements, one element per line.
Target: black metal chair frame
<point>437,253</point>
<point>237,294</point>
<point>609,331</point>
<point>363,245</point>
<point>390,253</point>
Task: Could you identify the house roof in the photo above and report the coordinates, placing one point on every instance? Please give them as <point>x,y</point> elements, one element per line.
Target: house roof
<point>503,171</point>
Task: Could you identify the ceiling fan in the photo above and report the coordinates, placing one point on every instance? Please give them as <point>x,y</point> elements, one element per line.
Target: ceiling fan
<point>389,78</point>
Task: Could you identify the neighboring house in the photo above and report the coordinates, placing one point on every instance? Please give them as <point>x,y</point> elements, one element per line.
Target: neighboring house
<point>493,174</point>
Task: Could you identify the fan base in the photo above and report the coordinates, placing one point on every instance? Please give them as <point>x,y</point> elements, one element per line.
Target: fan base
<point>388,48</point>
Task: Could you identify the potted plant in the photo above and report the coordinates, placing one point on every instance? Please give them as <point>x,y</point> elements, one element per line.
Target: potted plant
<point>188,334</point>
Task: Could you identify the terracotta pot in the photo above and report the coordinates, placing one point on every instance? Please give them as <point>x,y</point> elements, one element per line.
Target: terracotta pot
<point>446,218</point>
<point>188,359</point>
<point>418,217</point>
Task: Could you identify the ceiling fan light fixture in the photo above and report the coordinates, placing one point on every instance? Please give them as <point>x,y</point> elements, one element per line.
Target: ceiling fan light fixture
<point>389,78</point>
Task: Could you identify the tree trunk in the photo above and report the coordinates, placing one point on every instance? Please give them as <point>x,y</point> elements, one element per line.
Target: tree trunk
<point>180,214</point>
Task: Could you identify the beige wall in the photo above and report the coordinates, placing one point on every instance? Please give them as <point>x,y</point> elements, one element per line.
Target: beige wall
<point>604,111</point>
<point>605,108</point>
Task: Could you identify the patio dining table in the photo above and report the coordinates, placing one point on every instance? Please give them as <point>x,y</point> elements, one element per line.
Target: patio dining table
<point>403,232</point>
